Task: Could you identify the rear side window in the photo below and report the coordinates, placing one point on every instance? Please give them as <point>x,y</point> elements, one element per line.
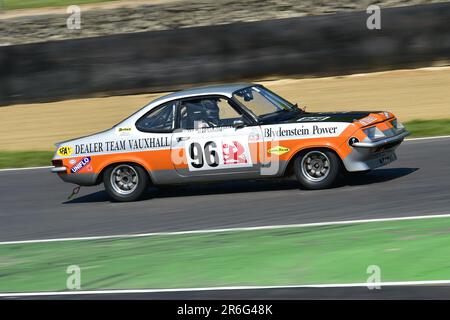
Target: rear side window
<point>160,119</point>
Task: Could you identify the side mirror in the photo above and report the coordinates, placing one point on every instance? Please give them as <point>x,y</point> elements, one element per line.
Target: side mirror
<point>238,124</point>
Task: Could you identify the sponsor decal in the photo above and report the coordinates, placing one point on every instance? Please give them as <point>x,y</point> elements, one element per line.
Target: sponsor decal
<point>124,131</point>
<point>72,161</point>
<point>119,145</point>
<point>312,119</point>
<point>65,151</point>
<point>122,145</point>
<point>208,129</point>
<point>89,148</point>
<point>279,150</point>
<point>233,153</point>
<point>367,120</point>
<point>81,164</point>
<point>314,130</point>
<point>148,143</point>
<point>220,153</point>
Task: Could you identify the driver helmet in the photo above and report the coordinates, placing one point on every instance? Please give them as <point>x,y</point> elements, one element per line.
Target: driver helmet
<point>211,110</point>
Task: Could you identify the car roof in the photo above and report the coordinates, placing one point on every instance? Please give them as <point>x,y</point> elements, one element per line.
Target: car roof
<point>222,89</point>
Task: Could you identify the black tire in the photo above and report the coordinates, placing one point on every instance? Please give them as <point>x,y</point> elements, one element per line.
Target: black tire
<point>117,192</point>
<point>324,160</point>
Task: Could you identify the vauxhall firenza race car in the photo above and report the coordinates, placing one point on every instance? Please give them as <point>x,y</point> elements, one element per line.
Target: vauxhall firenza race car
<point>227,132</point>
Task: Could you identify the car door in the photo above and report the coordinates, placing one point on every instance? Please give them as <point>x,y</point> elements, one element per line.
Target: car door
<point>214,139</point>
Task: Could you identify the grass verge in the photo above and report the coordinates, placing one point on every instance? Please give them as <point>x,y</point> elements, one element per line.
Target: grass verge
<point>404,250</point>
<point>427,128</point>
<point>28,4</point>
<point>23,159</point>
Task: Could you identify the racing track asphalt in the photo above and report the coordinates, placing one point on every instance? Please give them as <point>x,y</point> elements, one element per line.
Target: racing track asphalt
<point>34,205</point>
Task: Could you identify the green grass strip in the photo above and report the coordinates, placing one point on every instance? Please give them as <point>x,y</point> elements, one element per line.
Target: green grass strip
<point>22,159</point>
<point>410,250</point>
<point>428,128</point>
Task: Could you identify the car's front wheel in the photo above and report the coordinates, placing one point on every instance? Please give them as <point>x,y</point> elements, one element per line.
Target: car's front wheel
<point>125,182</point>
<point>317,169</point>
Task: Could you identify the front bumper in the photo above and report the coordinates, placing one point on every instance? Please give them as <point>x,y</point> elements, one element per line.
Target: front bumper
<point>382,142</point>
<point>368,155</point>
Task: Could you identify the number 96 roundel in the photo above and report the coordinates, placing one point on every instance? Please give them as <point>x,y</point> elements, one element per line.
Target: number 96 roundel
<point>210,154</point>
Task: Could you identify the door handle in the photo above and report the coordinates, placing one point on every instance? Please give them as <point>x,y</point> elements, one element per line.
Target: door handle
<point>182,139</point>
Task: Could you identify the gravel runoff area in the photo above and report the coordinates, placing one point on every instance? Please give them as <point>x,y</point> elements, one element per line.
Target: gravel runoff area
<point>165,15</point>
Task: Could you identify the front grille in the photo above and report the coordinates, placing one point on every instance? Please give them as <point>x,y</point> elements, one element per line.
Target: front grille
<point>388,146</point>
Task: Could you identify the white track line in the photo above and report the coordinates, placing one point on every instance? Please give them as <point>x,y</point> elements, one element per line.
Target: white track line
<point>333,285</point>
<point>28,168</point>
<point>427,138</point>
<point>171,233</point>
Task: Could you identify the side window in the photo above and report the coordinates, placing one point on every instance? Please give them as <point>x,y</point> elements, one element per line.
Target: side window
<point>207,113</point>
<point>160,119</point>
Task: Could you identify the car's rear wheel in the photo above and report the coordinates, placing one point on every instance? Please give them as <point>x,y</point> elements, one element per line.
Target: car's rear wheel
<point>125,182</point>
<point>317,169</point>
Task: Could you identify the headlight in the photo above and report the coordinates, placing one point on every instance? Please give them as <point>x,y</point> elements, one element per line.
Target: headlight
<point>374,133</point>
<point>397,125</point>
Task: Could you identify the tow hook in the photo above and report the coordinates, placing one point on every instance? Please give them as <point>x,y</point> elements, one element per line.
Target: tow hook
<point>74,192</point>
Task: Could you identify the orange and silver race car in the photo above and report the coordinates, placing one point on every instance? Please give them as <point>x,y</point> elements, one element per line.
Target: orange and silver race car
<point>227,132</point>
